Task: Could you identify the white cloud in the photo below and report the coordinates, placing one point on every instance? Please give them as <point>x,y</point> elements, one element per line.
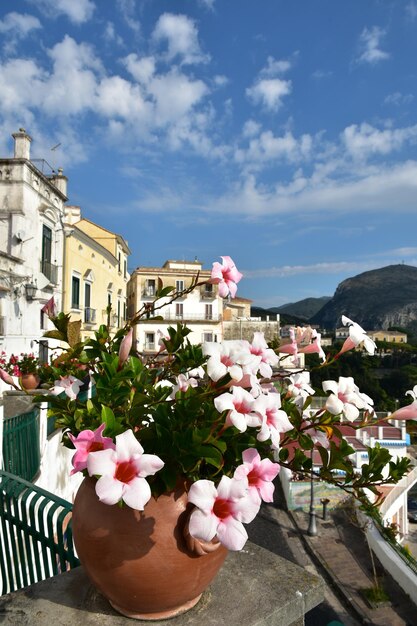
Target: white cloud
<point>411,10</point>
<point>369,42</point>
<point>111,36</point>
<point>384,189</point>
<point>128,11</point>
<point>269,93</point>
<point>275,67</point>
<point>208,4</point>
<point>251,128</point>
<point>77,11</point>
<point>19,24</point>
<point>267,147</point>
<point>364,140</point>
<point>142,69</point>
<point>181,36</point>
<point>397,98</point>
<point>175,95</point>
<point>325,267</point>
<point>321,74</point>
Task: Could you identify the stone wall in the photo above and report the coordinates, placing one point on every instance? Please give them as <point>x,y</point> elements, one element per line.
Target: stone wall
<point>244,329</point>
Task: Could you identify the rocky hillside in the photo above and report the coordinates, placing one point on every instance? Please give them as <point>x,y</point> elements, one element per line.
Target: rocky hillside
<point>377,299</point>
<point>303,309</point>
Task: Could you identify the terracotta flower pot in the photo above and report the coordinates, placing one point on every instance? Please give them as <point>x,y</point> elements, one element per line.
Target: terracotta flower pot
<point>29,381</point>
<point>144,562</point>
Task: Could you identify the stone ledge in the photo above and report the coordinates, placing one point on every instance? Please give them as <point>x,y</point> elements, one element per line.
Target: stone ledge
<point>254,588</point>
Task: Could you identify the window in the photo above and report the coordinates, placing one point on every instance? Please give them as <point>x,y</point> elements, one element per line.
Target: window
<point>46,244</point>
<point>118,313</point>
<point>149,341</point>
<point>207,337</point>
<point>179,309</point>
<point>179,285</point>
<point>125,268</point>
<point>87,295</point>
<point>119,262</point>
<point>150,287</point>
<point>46,266</point>
<point>43,351</point>
<point>124,312</point>
<point>75,293</point>
<point>209,311</point>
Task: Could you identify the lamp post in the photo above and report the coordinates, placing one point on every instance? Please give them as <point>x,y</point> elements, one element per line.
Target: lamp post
<point>312,524</point>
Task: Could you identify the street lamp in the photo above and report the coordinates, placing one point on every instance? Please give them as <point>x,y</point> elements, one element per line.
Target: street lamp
<point>31,290</point>
<point>312,524</point>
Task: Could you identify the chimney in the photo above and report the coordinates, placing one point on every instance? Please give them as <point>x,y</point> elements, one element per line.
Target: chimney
<point>60,181</point>
<point>21,144</point>
<point>72,214</point>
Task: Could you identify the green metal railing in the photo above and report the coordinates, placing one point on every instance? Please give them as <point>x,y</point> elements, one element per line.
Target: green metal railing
<point>35,534</point>
<point>21,449</point>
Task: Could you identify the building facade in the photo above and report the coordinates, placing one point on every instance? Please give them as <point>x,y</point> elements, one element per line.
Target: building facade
<point>201,310</point>
<point>95,274</point>
<point>32,198</point>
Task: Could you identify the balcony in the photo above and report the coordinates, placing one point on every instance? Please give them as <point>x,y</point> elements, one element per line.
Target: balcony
<point>89,315</point>
<point>150,347</point>
<point>149,292</point>
<point>189,317</point>
<point>50,271</point>
<point>207,292</point>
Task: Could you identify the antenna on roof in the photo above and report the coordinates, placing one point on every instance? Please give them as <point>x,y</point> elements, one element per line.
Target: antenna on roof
<point>55,147</point>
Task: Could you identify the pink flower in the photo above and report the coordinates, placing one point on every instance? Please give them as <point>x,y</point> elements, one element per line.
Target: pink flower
<point>69,384</point>
<point>226,275</point>
<point>407,412</point>
<point>226,358</point>
<point>346,398</point>
<point>5,377</point>
<point>259,472</point>
<point>125,348</point>
<point>86,442</point>
<point>267,356</point>
<point>184,383</point>
<point>221,511</point>
<point>240,406</point>
<point>122,472</point>
<point>314,347</point>
<point>274,420</point>
<point>356,336</point>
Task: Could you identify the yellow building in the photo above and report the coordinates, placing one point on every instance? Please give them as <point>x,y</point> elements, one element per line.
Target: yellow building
<point>391,336</point>
<point>95,273</point>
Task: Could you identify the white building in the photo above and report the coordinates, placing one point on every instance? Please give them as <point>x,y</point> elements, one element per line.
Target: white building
<point>32,197</point>
<point>201,310</point>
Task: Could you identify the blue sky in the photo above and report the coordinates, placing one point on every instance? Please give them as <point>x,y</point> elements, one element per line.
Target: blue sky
<point>282,134</point>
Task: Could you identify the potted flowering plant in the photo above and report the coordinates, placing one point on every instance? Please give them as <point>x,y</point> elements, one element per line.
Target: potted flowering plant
<point>199,432</point>
<point>24,366</point>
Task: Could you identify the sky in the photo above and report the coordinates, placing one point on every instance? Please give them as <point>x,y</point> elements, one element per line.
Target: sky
<point>281,133</point>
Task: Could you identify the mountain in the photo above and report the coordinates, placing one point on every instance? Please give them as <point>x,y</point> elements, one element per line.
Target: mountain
<point>379,298</point>
<point>257,311</point>
<point>303,309</point>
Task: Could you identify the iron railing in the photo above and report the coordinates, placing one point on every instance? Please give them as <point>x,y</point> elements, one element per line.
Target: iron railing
<point>21,449</point>
<point>36,534</point>
<point>50,271</point>
<point>89,315</point>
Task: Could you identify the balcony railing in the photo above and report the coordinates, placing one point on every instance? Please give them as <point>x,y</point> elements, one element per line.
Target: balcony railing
<point>189,317</point>
<point>150,347</point>
<point>149,292</point>
<point>206,293</point>
<point>50,271</point>
<point>21,450</point>
<point>89,315</point>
